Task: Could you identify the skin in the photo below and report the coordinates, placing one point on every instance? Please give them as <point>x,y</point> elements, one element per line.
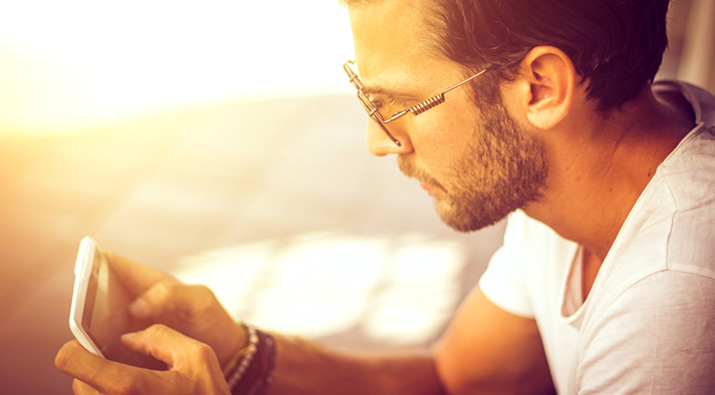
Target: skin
<point>597,168</point>
<point>193,334</point>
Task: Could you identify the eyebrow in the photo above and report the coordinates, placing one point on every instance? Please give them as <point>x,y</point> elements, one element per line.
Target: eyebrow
<point>377,90</point>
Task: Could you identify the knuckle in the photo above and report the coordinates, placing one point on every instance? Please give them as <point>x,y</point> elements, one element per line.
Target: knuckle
<point>164,289</point>
<point>203,351</point>
<point>203,296</point>
<point>203,291</point>
<point>127,387</point>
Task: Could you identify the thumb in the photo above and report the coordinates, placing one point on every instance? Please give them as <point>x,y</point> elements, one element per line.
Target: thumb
<point>173,348</point>
<point>194,366</point>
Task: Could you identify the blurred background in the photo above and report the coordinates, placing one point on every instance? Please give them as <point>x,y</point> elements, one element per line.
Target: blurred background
<point>221,142</point>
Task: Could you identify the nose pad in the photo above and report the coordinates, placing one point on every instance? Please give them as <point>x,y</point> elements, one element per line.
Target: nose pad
<point>380,144</point>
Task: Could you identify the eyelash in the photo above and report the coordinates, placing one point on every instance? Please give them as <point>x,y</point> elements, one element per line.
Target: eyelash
<point>390,100</point>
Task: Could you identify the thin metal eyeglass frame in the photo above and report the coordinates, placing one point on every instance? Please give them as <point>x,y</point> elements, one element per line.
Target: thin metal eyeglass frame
<point>417,109</point>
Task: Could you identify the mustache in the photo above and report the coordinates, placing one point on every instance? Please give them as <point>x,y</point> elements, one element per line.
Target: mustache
<point>410,170</point>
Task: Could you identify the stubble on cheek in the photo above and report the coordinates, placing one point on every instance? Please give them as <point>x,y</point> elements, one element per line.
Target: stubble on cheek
<point>502,168</point>
<point>498,168</point>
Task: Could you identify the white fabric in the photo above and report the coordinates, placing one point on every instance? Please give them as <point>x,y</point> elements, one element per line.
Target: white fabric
<point>648,324</point>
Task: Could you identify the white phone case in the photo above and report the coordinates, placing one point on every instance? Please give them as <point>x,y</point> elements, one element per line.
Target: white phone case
<point>83,271</point>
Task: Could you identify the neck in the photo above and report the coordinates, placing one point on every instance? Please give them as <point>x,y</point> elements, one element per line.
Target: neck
<point>600,166</point>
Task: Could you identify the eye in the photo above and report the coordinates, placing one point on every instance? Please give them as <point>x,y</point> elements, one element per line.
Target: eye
<point>397,102</point>
<point>377,103</point>
<point>389,104</point>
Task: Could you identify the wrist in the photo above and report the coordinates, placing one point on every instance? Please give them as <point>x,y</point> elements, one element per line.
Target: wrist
<point>249,370</point>
<point>239,345</point>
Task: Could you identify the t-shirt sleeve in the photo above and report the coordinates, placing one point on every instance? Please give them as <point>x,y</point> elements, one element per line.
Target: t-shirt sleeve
<point>657,337</point>
<point>503,281</point>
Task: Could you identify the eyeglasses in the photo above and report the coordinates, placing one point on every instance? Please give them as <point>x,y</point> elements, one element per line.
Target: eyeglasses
<point>372,110</point>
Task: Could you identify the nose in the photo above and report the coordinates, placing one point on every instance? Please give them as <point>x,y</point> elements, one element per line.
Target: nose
<point>380,144</point>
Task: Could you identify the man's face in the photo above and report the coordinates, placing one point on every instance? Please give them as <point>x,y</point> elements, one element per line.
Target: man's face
<point>474,160</point>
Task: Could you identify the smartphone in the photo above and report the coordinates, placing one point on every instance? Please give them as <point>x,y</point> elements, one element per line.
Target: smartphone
<point>100,309</point>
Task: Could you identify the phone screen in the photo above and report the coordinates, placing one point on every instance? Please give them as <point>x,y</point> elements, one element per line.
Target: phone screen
<point>106,315</point>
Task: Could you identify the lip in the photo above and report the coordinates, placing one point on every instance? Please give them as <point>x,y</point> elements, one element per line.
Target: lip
<point>426,186</point>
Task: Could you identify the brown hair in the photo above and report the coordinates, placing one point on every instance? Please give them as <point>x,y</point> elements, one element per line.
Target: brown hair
<point>616,46</point>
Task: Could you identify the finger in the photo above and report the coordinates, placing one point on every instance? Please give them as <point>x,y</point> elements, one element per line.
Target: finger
<point>101,375</point>
<point>170,347</point>
<point>193,362</point>
<point>136,277</point>
<point>81,388</point>
<point>173,296</point>
<point>195,312</point>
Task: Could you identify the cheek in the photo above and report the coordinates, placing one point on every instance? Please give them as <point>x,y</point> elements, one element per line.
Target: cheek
<point>439,143</point>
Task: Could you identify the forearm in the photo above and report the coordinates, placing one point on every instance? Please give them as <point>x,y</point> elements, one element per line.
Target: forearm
<point>304,367</point>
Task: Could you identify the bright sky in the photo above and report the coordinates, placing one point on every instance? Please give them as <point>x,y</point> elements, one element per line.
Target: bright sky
<point>68,65</point>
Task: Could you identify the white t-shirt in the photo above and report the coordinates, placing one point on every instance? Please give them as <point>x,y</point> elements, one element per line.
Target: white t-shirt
<point>648,323</point>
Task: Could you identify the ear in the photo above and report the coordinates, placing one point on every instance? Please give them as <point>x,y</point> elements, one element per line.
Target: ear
<point>550,77</point>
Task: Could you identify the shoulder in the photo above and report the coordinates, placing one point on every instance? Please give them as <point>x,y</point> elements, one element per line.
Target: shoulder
<point>662,324</point>
<point>701,101</point>
<point>670,226</point>
<point>687,186</point>
<point>653,306</point>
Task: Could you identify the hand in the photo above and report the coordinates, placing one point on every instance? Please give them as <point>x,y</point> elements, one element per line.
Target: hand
<point>190,309</point>
<point>194,367</point>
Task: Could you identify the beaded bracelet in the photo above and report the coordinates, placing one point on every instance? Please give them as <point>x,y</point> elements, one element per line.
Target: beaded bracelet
<point>262,367</point>
<point>252,365</point>
<point>236,358</point>
<point>247,357</point>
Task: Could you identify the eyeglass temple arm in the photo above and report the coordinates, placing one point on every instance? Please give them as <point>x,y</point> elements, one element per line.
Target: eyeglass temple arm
<point>469,79</point>
<point>436,99</point>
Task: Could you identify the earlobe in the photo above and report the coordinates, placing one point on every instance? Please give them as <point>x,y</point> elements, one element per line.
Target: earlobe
<point>551,77</point>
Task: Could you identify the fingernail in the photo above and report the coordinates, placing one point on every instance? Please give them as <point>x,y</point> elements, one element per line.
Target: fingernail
<point>139,308</point>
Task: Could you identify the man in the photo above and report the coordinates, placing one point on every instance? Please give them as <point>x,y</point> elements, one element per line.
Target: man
<point>606,280</point>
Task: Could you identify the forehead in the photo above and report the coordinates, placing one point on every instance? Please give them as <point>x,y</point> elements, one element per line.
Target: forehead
<point>392,43</point>
<point>388,25</point>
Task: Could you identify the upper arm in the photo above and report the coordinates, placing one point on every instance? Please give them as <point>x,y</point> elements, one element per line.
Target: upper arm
<point>488,350</point>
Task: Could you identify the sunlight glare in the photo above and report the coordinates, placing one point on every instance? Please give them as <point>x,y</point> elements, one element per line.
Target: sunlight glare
<point>398,290</point>
<point>80,63</point>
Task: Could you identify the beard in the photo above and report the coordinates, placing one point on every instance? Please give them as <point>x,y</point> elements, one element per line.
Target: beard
<point>504,168</point>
